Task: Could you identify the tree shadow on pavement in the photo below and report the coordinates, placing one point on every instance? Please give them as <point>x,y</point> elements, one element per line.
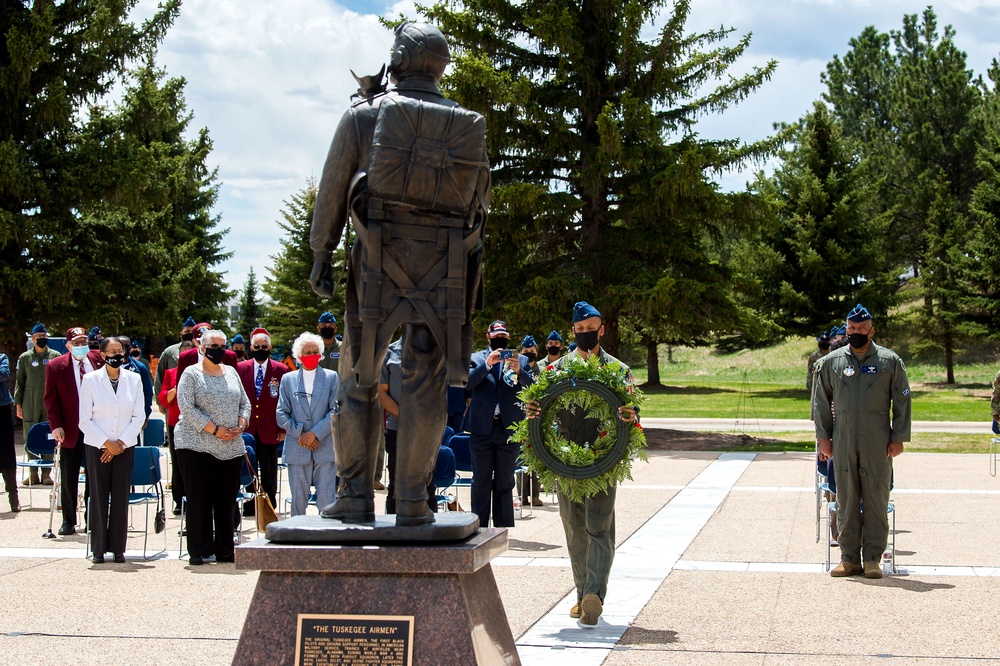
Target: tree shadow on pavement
<point>530,546</point>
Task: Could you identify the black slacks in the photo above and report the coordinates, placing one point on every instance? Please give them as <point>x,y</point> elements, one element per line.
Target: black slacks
<point>390,498</point>
<point>494,458</point>
<point>70,462</point>
<point>267,463</point>
<point>176,472</point>
<point>110,483</point>
<point>211,486</point>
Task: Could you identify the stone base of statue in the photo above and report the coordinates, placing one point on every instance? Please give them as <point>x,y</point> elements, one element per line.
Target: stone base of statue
<point>348,599</point>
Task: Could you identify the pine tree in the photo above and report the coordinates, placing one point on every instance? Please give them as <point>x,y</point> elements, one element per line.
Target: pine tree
<point>601,187</point>
<point>294,307</point>
<point>251,309</point>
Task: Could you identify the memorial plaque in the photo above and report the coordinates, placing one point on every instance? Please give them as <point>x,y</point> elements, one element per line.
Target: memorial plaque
<point>354,640</point>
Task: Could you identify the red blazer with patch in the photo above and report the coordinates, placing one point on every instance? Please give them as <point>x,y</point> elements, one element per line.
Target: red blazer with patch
<point>62,398</point>
<point>263,415</point>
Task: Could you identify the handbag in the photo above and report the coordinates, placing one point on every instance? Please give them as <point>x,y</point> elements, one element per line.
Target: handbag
<point>262,503</point>
<point>160,521</point>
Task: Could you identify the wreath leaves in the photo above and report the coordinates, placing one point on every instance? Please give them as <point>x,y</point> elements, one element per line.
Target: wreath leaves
<point>570,399</point>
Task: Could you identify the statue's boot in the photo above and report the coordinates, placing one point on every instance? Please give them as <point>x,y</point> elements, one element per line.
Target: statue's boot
<point>351,510</point>
<point>410,513</point>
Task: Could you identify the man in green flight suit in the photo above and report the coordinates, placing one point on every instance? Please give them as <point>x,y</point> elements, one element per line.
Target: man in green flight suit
<point>589,525</point>
<point>29,391</point>
<point>327,328</point>
<point>865,385</point>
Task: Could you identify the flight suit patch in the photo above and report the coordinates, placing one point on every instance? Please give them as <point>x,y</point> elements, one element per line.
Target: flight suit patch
<point>869,369</point>
<point>849,371</point>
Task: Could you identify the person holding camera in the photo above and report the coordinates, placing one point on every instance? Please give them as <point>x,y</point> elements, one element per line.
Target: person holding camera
<point>496,376</point>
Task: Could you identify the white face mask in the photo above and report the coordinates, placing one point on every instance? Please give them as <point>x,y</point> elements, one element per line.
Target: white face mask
<point>80,352</point>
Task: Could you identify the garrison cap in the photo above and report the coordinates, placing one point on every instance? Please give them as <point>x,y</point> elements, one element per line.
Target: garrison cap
<point>554,335</point>
<point>529,341</point>
<point>842,330</point>
<point>94,332</point>
<point>327,318</point>
<point>188,323</point>
<point>584,310</point>
<point>39,328</point>
<point>859,314</point>
<point>238,340</point>
<point>572,346</point>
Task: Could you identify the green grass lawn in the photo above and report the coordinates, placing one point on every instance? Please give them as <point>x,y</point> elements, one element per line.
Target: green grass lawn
<point>770,384</point>
<point>924,442</point>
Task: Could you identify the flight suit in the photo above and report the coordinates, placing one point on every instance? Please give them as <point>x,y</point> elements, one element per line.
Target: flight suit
<point>871,400</point>
<point>589,525</point>
<point>29,391</point>
<point>331,355</point>
<point>811,366</point>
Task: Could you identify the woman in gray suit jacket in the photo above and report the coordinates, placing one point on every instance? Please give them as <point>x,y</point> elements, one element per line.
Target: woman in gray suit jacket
<point>307,400</point>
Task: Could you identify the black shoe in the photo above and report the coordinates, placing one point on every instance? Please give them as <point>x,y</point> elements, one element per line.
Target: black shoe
<point>195,561</point>
<point>351,510</point>
<point>177,512</point>
<point>67,529</point>
<point>97,559</point>
<point>225,558</point>
<point>119,558</point>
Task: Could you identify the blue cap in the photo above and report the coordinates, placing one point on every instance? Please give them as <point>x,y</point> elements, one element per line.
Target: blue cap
<point>529,341</point>
<point>842,330</point>
<point>39,328</point>
<point>833,331</point>
<point>823,337</point>
<point>858,314</point>
<point>238,340</point>
<point>584,310</point>
<point>572,346</point>
<point>188,323</point>
<point>554,335</point>
<point>94,332</point>
<point>327,318</point>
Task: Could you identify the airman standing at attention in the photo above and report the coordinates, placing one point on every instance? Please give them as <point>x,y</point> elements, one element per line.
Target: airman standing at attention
<point>29,392</point>
<point>866,386</point>
<point>327,329</point>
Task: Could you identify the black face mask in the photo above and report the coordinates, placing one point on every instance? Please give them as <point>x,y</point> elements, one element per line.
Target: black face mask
<point>116,361</point>
<point>824,345</point>
<point>187,337</point>
<point>215,355</point>
<point>327,333</point>
<point>857,340</point>
<point>260,355</point>
<point>553,350</point>
<point>240,353</point>
<point>135,353</point>
<point>587,340</point>
<point>531,356</point>
<point>499,343</point>
<point>42,343</point>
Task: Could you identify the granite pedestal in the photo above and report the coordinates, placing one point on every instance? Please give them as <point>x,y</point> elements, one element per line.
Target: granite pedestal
<point>448,589</point>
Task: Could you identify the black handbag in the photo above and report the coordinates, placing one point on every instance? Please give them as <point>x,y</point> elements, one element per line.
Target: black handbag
<point>160,521</point>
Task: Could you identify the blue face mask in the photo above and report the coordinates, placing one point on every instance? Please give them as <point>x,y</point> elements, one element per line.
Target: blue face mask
<point>80,352</point>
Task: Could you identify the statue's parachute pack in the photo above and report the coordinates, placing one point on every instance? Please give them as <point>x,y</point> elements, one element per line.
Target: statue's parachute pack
<point>421,228</point>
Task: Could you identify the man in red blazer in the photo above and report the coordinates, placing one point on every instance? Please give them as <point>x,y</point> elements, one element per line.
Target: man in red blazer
<point>62,408</point>
<point>261,377</point>
<point>192,356</point>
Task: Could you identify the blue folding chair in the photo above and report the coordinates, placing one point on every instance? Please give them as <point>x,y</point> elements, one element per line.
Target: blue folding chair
<point>41,443</point>
<point>444,477</point>
<point>459,444</point>
<point>154,434</point>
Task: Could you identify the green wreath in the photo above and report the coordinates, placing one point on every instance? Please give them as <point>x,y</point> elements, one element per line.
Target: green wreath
<point>581,470</point>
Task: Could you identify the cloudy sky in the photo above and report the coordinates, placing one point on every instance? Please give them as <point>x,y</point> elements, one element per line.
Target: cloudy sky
<point>271,78</point>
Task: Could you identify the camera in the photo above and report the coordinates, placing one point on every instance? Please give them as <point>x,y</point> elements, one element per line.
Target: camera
<point>506,354</point>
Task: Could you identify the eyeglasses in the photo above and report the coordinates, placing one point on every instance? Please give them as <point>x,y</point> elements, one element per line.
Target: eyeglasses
<point>214,346</point>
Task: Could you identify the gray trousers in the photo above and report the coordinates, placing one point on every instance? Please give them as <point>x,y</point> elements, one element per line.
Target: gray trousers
<point>301,478</point>
<point>590,538</point>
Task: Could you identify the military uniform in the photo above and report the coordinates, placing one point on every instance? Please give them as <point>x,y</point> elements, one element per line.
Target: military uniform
<point>995,402</point>
<point>811,367</point>
<point>331,355</point>
<point>168,359</point>
<point>590,524</point>
<point>29,391</point>
<point>871,399</point>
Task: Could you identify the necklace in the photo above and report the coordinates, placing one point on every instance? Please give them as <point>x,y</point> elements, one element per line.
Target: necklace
<point>114,385</point>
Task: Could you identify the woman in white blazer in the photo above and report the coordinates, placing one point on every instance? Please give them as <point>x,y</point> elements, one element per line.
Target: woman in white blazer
<point>111,416</point>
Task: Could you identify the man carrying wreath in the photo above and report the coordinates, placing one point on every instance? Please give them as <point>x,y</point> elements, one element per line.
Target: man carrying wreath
<point>590,523</point>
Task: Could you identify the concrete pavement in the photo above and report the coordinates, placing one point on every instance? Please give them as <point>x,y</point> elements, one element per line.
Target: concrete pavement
<point>717,564</point>
<point>798,425</point>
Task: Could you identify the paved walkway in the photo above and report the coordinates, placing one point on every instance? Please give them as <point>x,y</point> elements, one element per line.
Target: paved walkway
<point>717,563</point>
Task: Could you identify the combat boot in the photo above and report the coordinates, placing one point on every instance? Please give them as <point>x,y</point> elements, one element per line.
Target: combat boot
<point>412,513</point>
<point>846,568</point>
<point>10,481</point>
<point>351,510</point>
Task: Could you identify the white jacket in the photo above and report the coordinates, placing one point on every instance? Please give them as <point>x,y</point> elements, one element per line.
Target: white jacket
<point>107,415</point>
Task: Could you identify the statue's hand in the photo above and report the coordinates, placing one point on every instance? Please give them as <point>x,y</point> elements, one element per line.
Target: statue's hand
<point>321,278</point>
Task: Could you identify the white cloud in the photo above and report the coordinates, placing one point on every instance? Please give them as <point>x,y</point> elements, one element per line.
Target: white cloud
<point>271,79</point>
